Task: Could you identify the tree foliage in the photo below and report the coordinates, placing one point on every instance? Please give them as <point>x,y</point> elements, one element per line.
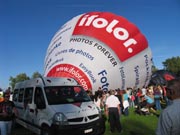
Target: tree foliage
<point>36,75</point>
<point>172,65</point>
<point>21,77</point>
<point>154,69</point>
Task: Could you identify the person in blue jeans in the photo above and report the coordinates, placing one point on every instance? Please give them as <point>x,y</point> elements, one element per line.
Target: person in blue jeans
<point>7,111</point>
<point>157,97</point>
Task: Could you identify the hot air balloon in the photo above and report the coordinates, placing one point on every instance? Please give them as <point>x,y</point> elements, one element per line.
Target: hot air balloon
<point>161,77</point>
<point>100,49</point>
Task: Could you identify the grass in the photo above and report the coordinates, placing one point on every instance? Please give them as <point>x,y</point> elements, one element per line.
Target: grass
<point>136,124</point>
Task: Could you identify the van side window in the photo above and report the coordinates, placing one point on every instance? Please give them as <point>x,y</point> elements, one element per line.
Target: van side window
<point>20,97</point>
<point>15,95</point>
<point>39,97</point>
<point>28,95</point>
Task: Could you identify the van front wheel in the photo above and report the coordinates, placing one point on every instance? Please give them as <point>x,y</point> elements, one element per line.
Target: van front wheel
<point>45,130</point>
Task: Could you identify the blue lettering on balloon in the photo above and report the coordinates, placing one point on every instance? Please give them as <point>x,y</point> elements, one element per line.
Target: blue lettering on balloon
<point>89,72</point>
<point>123,77</point>
<point>103,80</point>
<point>137,81</point>
<point>147,69</point>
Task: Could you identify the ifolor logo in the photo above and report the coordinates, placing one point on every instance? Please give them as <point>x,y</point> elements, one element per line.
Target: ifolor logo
<point>67,70</point>
<point>113,30</point>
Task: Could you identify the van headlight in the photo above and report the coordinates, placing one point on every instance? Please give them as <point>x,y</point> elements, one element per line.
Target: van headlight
<point>60,119</point>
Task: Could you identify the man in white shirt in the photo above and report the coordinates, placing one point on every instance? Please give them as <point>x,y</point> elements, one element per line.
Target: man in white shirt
<point>144,91</point>
<point>113,111</point>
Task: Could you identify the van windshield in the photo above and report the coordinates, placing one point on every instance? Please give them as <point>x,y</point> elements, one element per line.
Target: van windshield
<point>65,95</point>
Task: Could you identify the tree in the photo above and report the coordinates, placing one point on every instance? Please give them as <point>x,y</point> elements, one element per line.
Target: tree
<point>18,78</point>
<point>172,65</point>
<point>36,75</point>
<point>154,69</point>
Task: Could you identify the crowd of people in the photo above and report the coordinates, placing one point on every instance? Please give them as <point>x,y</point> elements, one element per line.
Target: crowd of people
<point>149,98</point>
<point>146,101</point>
<point>114,103</point>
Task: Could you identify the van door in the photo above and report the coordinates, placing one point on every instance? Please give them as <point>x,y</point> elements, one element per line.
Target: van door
<point>38,106</point>
<point>28,95</point>
<point>19,104</point>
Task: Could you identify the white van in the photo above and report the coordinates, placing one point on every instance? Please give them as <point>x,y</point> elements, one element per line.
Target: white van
<point>50,106</point>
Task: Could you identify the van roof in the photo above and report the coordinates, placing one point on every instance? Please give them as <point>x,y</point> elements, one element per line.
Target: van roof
<point>47,81</point>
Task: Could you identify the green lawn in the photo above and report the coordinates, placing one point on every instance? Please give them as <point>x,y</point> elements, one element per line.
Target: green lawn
<point>135,124</point>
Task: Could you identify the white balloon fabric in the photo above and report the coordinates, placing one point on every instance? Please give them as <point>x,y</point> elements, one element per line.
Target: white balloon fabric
<point>100,49</point>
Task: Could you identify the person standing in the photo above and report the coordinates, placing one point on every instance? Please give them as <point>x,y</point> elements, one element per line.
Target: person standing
<point>169,120</point>
<point>165,96</point>
<point>1,95</point>
<point>7,111</point>
<point>144,90</point>
<point>138,96</point>
<point>113,111</point>
<point>157,97</point>
<point>125,103</point>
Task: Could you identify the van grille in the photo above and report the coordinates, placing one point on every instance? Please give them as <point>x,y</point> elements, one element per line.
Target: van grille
<point>93,116</point>
<point>81,118</point>
<point>76,119</point>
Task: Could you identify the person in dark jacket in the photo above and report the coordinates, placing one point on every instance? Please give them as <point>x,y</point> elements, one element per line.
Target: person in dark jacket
<point>169,120</point>
<point>7,112</point>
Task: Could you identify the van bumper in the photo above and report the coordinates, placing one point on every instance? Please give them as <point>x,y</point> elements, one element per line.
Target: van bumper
<point>94,128</point>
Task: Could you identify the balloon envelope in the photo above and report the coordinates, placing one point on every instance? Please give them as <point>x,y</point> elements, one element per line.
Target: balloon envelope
<point>161,77</point>
<point>100,49</point>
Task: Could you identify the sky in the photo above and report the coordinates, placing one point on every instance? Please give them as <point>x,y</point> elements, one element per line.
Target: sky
<point>27,27</point>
